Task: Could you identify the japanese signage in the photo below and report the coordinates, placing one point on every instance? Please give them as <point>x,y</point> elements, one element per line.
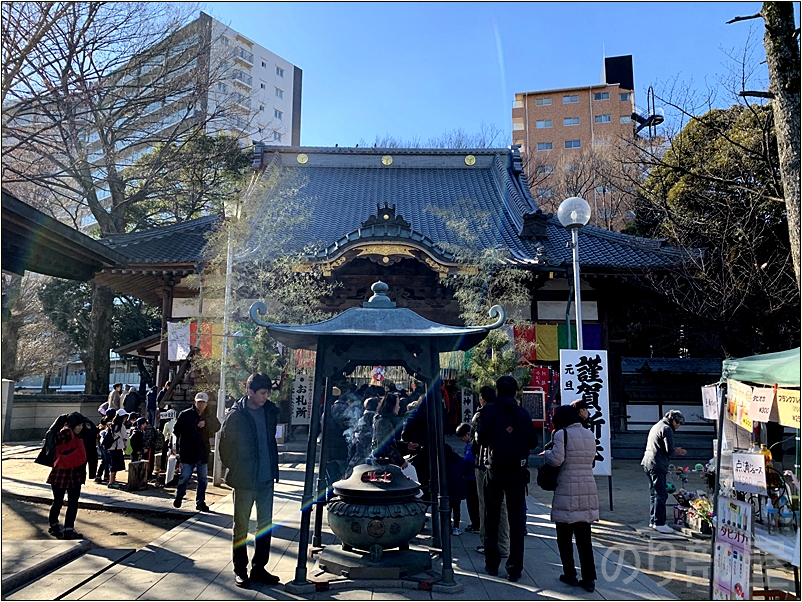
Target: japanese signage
<point>584,375</point>
<point>760,407</point>
<point>534,402</point>
<point>732,561</point>
<point>302,399</point>
<point>749,472</point>
<point>788,407</point>
<point>540,379</point>
<point>710,402</point>
<point>467,405</point>
<point>177,341</point>
<point>739,398</point>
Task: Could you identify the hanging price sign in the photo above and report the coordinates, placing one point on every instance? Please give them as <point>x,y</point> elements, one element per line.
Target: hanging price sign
<point>761,404</point>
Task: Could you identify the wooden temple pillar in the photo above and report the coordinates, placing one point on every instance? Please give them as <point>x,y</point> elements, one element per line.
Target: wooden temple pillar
<point>163,370</point>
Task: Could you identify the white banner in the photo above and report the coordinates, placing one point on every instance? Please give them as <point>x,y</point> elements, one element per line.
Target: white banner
<point>749,472</point>
<point>710,401</point>
<point>467,406</point>
<point>177,341</point>
<point>761,404</point>
<point>302,399</point>
<point>584,375</point>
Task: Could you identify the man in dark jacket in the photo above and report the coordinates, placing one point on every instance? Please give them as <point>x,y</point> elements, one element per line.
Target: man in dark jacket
<point>249,451</point>
<point>131,401</point>
<point>151,405</point>
<point>659,448</point>
<point>193,428</point>
<point>506,430</point>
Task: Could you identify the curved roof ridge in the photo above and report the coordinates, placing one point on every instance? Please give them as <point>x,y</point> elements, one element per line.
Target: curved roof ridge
<point>369,150</point>
<point>520,203</point>
<point>162,231</point>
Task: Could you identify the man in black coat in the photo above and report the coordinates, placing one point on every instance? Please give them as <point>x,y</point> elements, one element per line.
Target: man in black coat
<point>193,428</point>
<point>506,429</point>
<point>249,451</point>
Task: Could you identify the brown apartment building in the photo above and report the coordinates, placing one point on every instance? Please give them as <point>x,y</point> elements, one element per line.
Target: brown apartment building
<point>571,140</point>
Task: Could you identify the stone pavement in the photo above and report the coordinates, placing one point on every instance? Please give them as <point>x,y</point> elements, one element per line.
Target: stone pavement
<point>193,562</point>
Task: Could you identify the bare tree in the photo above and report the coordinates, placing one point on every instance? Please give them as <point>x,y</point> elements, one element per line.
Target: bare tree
<point>105,83</point>
<point>781,41</point>
<point>488,136</point>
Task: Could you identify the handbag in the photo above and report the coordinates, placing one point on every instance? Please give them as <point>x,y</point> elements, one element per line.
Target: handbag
<point>547,474</point>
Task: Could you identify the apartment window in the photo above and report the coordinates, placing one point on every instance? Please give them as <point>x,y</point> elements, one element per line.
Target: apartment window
<point>544,170</point>
<point>629,214</point>
<point>262,86</point>
<point>602,142</point>
<point>261,107</point>
<point>601,119</point>
<point>279,93</point>
<point>545,146</point>
<point>570,99</point>
<point>544,193</point>
<point>601,96</point>
<point>517,123</point>
<point>224,41</point>
<point>570,120</point>
<point>276,136</point>
<point>625,96</point>
<point>518,103</point>
<point>571,167</point>
<point>277,114</point>
<point>625,119</point>
<point>573,144</point>
<point>221,87</point>
<point>279,71</point>
<point>543,123</point>
<point>607,213</point>
<point>264,64</point>
<point>601,189</point>
<point>543,102</point>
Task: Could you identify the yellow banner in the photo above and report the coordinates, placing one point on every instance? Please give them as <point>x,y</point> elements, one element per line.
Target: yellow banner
<point>739,398</point>
<point>788,407</point>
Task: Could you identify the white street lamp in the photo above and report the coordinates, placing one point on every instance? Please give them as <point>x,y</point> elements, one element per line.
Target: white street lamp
<point>574,212</point>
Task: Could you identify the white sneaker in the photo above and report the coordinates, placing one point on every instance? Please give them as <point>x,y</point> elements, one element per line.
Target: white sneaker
<point>456,531</point>
<point>663,529</point>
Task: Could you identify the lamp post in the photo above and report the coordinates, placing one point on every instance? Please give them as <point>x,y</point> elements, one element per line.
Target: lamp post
<point>232,210</point>
<point>573,213</point>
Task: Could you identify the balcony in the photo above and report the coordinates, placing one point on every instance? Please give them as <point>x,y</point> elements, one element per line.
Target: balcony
<point>244,56</point>
<point>243,78</point>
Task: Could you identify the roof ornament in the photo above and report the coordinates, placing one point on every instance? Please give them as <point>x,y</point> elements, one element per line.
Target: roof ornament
<point>387,216</point>
<point>379,300</point>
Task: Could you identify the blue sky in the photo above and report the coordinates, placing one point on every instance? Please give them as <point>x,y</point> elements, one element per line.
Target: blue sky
<point>416,70</point>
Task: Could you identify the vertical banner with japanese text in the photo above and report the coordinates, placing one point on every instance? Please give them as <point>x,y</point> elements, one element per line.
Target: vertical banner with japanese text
<point>467,405</point>
<point>584,375</point>
<point>732,560</point>
<point>302,399</point>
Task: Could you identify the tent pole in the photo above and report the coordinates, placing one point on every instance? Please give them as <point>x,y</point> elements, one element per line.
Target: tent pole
<point>322,474</point>
<point>444,507</point>
<point>722,387</point>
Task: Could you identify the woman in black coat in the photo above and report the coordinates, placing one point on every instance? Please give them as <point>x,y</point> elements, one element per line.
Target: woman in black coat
<point>385,427</point>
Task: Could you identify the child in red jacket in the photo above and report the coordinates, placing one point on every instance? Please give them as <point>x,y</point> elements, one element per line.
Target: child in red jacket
<point>67,476</point>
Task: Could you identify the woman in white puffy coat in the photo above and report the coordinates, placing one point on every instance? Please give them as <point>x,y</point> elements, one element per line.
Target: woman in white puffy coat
<point>576,500</point>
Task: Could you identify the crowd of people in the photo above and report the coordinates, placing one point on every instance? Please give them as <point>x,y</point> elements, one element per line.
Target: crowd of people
<point>369,424</point>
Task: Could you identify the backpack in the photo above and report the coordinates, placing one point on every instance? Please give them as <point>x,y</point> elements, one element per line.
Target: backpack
<point>107,438</point>
<point>547,474</point>
<point>510,449</point>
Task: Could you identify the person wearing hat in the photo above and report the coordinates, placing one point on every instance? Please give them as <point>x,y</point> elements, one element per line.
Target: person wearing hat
<point>659,448</point>
<point>67,476</point>
<point>193,428</point>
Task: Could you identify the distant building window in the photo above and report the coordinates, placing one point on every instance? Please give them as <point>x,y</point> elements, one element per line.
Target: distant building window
<point>602,142</point>
<point>261,107</point>
<point>544,193</point>
<point>279,71</point>
<point>545,146</point>
<point>543,123</point>
<point>264,64</point>
<point>602,119</point>
<point>543,102</point>
<point>625,119</point>
<point>624,95</point>
<point>544,169</point>
<point>221,87</point>
<point>571,167</point>
<point>276,136</point>
<point>570,120</point>
<point>573,144</point>
<point>629,214</point>
<point>277,114</point>
<point>262,86</point>
<point>224,41</point>
<point>601,189</point>
<point>570,99</point>
<point>601,96</point>
<point>279,93</point>
<point>607,213</point>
